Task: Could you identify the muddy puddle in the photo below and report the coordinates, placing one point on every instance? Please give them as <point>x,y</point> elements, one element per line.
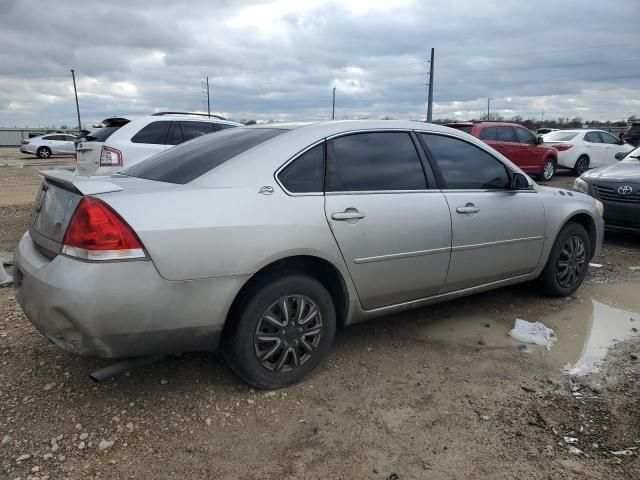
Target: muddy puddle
<point>599,317</point>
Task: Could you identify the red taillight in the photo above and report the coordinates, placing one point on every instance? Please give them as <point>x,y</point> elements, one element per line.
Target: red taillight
<point>97,232</point>
<point>25,142</point>
<point>110,157</point>
<point>563,147</point>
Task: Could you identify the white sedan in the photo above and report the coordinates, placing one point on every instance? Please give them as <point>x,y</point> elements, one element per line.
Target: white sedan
<point>580,150</point>
<point>51,144</point>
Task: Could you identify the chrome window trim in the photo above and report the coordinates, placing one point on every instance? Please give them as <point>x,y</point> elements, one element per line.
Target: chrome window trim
<point>380,192</point>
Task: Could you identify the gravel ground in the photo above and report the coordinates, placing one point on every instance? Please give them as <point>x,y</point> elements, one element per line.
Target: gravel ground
<point>438,393</point>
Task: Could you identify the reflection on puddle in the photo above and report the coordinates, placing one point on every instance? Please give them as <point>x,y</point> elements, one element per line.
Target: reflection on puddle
<point>606,314</point>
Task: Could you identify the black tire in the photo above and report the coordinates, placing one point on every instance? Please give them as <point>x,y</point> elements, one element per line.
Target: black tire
<point>43,152</point>
<point>299,351</point>
<point>582,165</point>
<point>568,263</point>
<point>548,170</point>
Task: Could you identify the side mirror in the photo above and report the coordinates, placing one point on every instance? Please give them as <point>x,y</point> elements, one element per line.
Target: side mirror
<point>519,182</point>
<point>621,142</point>
<point>539,140</point>
<point>621,155</point>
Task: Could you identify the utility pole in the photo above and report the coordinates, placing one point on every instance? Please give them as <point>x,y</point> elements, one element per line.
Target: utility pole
<point>542,116</point>
<point>208,104</point>
<point>333,107</point>
<point>430,97</point>
<point>75,90</point>
<point>489,107</point>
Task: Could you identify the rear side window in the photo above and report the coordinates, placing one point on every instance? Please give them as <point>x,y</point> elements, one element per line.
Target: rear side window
<point>373,162</point>
<point>592,137</point>
<point>525,136</point>
<point>154,133</point>
<point>101,134</point>
<point>196,129</point>
<point>306,173</point>
<point>465,166</point>
<point>488,133</point>
<point>505,134</point>
<point>190,160</point>
<point>560,136</point>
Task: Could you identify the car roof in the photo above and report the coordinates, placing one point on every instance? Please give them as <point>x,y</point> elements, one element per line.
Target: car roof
<point>332,127</point>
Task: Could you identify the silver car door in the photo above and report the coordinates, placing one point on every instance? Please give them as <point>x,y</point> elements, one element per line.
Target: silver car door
<point>498,233</point>
<point>393,231</point>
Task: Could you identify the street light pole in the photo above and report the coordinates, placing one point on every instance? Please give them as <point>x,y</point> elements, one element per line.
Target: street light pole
<point>75,90</point>
<point>333,107</point>
<point>489,107</point>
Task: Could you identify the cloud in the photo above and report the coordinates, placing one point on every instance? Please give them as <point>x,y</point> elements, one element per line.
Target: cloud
<point>280,59</point>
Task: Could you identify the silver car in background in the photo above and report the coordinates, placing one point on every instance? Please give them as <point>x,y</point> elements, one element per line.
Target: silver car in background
<point>51,144</point>
<point>263,240</point>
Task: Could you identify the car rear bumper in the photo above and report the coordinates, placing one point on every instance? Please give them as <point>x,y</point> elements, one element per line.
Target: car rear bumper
<point>27,149</point>
<point>119,309</point>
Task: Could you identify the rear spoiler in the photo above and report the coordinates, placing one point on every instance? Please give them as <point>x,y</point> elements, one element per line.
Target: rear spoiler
<point>84,185</point>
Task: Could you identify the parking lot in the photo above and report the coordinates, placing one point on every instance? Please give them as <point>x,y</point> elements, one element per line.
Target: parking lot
<point>438,392</point>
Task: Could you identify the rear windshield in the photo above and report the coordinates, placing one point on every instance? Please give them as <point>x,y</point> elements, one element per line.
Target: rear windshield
<point>101,134</point>
<point>560,136</point>
<point>463,128</point>
<point>194,158</point>
<point>633,129</point>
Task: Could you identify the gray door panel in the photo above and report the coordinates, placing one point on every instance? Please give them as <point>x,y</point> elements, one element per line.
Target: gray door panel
<point>502,239</point>
<point>396,245</point>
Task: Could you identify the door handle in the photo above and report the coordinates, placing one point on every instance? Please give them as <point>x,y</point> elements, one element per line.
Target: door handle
<point>348,214</point>
<point>468,208</point>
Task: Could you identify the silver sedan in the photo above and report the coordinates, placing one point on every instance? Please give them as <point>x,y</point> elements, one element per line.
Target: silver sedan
<point>263,240</point>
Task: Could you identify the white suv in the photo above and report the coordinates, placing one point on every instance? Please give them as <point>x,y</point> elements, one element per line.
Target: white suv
<point>123,142</point>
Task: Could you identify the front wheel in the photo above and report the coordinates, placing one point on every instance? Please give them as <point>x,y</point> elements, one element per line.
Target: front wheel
<point>568,262</point>
<point>284,331</point>
<point>548,170</point>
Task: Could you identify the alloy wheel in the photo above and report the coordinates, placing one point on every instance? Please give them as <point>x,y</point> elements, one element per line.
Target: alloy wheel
<point>548,170</point>
<point>288,333</point>
<point>581,166</point>
<point>571,262</point>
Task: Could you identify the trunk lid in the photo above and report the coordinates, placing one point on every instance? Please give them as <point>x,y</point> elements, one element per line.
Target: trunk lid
<point>56,201</point>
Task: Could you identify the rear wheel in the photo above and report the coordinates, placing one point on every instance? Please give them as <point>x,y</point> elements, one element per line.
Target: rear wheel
<point>43,152</point>
<point>284,331</point>
<point>548,170</point>
<point>568,262</point>
<point>581,166</point>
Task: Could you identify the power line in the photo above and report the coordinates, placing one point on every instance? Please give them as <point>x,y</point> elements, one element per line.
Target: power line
<point>533,67</point>
<point>547,51</point>
<point>554,80</point>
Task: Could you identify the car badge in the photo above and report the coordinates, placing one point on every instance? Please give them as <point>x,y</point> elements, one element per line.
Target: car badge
<point>266,190</point>
<point>625,190</point>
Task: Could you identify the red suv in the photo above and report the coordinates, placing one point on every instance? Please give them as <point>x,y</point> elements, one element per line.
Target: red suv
<point>516,143</point>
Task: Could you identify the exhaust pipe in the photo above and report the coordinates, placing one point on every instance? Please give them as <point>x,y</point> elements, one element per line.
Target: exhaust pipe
<point>119,368</point>
<point>5,278</point>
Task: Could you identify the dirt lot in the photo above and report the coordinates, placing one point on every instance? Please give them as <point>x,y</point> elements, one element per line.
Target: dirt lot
<point>436,393</point>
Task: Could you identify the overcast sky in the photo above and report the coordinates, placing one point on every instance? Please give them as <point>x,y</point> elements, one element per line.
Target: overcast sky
<point>280,59</point>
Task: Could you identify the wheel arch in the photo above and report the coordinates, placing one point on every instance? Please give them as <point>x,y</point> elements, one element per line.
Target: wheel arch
<point>586,221</point>
<point>318,268</point>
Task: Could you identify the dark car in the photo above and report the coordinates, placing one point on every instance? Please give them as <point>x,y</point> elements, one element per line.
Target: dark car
<point>517,143</point>
<point>632,135</point>
<point>617,186</point>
